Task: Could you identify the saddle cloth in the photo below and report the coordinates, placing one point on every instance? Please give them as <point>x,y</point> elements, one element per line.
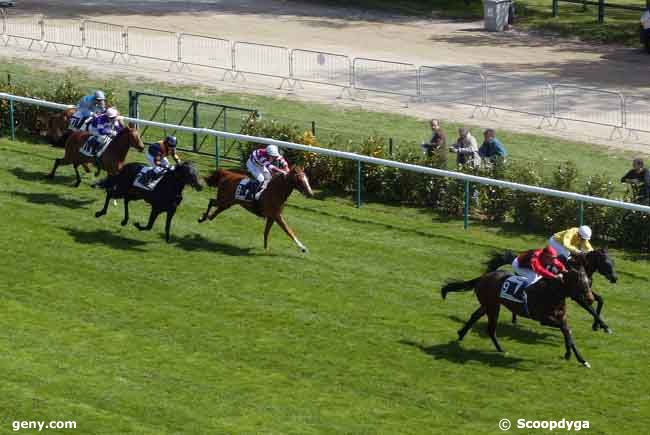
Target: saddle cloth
<point>149,177</point>
<point>246,190</point>
<point>95,146</point>
<point>512,289</point>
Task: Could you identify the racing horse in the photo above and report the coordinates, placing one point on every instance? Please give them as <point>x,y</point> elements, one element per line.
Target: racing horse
<point>112,159</point>
<point>165,197</point>
<point>269,206</point>
<point>546,303</point>
<point>594,261</point>
<point>58,127</point>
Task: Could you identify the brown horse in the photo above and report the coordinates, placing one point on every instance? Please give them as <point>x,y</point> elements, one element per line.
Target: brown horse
<point>269,206</point>
<point>57,127</point>
<point>546,303</point>
<point>112,159</point>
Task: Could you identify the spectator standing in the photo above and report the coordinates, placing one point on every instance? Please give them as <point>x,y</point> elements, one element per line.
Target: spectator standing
<point>437,144</point>
<point>492,150</point>
<point>466,149</point>
<point>639,178</point>
<point>645,30</point>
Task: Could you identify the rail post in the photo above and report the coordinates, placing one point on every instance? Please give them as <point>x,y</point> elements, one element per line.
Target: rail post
<point>313,128</point>
<point>11,120</point>
<point>217,161</point>
<point>359,185</point>
<point>581,215</point>
<point>195,124</point>
<point>601,11</point>
<point>467,199</point>
<point>555,8</point>
<point>390,146</point>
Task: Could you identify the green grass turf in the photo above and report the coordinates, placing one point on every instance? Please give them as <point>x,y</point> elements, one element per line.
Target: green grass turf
<point>123,333</point>
<point>352,125</point>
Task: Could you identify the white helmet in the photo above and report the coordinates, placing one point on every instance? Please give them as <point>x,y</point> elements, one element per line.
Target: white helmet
<point>584,232</point>
<point>112,112</point>
<point>272,150</point>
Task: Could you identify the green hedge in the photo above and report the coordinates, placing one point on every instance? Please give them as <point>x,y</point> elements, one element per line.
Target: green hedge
<point>32,120</point>
<point>535,213</point>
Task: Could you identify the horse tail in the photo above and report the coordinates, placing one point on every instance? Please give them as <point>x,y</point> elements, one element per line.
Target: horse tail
<point>458,286</point>
<point>499,259</point>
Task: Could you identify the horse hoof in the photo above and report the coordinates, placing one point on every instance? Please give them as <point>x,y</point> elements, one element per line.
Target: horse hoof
<point>99,214</point>
<point>138,226</point>
<point>304,250</point>
<point>608,331</point>
<point>124,222</point>
<point>595,327</point>
<point>586,364</point>
<point>567,356</point>
<point>202,219</point>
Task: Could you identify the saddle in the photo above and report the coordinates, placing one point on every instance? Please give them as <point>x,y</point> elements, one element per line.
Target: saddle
<point>246,190</point>
<point>95,146</point>
<point>513,289</point>
<point>149,177</point>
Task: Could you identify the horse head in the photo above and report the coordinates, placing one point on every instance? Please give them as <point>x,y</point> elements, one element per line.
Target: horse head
<point>603,264</point>
<point>133,137</point>
<point>576,282</point>
<point>188,174</point>
<point>299,180</point>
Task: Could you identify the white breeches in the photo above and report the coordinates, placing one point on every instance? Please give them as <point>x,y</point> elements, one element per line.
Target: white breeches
<point>527,273</point>
<point>260,173</point>
<point>561,250</point>
<point>164,162</point>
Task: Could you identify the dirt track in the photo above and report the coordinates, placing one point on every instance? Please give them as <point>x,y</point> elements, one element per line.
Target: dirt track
<point>356,33</point>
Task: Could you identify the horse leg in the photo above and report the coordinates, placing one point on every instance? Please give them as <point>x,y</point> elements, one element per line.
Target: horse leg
<point>570,344</point>
<point>211,203</point>
<point>597,319</point>
<point>599,307</point>
<point>280,220</point>
<point>493,318</point>
<point>102,212</point>
<point>480,311</point>
<point>76,171</point>
<point>217,211</point>
<point>514,319</point>
<point>126,211</point>
<point>152,218</point>
<point>57,162</point>
<point>267,230</point>
<point>168,223</point>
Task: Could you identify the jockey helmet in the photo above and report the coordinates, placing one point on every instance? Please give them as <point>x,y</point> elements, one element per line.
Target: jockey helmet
<point>99,96</point>
<point>171,141</point>
<point>584,232</point>
<point>273,151</point>
<point>550,251</point>
<point>112,112</point>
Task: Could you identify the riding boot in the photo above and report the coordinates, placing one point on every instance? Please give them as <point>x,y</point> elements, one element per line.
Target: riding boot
<point>258,195</point>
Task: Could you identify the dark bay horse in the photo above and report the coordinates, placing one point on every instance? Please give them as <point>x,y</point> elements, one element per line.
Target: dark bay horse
<point>112,159</point>
<point>546,303</point>
<point>269,206</point>
<point>166,196</point>
<point>594,261</point>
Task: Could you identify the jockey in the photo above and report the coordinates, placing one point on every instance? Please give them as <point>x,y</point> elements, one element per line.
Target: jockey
<point>158,152</point>
<point>103,129</point>
<point>540,263</point>
<point>88,106</point>
<point>571,241</point>
<point>263,163</point>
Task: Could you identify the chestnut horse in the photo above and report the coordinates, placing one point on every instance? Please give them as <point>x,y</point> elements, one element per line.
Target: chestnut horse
<point>270,204</point>
<point>546,303</point>
<point>594,261</point>
<point>57,127</point>
<point>112,159</point>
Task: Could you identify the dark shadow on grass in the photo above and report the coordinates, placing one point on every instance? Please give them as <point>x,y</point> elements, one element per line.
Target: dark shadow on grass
<point>53,199</point>
<point>453,352</point>
<point>103,237</point>
<point>507,329</point>
<point>198,243</point>
<point>41,176</point>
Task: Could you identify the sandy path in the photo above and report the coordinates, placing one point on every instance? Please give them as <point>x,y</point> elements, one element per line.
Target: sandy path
<point>357,33</point>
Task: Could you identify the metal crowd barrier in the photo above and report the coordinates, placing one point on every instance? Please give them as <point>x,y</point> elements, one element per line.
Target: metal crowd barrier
<point>385,77</point>
<point>29,28</point>
<point>205,51</point>
<point>594,106</point>
<point>261,59</point>
<point>69,33</point>
<point>152,44</point>
<point>520,95</point>
<point>99,36</point>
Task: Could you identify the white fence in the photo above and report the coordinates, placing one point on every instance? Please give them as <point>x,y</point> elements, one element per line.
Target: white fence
<point>362,159</point>
<point>424,83</point>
